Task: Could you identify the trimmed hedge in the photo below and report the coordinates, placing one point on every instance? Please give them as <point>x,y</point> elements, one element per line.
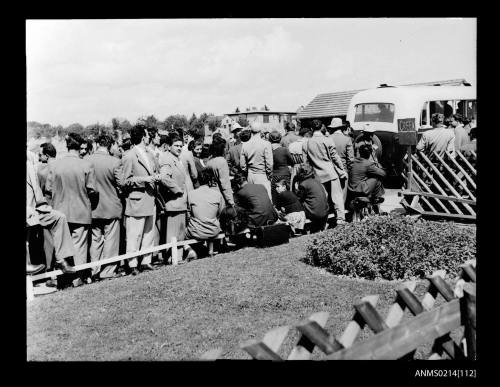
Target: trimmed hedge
<point>392,248</point>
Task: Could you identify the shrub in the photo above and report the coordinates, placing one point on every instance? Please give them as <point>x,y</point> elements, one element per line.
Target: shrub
<point>392,247</point>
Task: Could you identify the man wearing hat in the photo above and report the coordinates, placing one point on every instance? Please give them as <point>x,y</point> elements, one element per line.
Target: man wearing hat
<point>344,146</point>
<point>368,137</point>
<point>234,152</point>
<point>343,142</point>
<point>439,139</point>
<point>321,154</point>
<point>257,159</point>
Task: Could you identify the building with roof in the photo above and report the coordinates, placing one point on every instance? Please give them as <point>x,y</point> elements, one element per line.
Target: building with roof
<point>270,119</point>
<point>329,105</point>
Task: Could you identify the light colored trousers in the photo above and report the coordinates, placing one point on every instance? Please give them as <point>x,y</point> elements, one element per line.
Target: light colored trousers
<point>140,235</point>
<point>105,243</point>
<point>80,236</point>
<point>336,197</point>
<point>176,227</point>
<point>259,178</point>
<point>57,235</point>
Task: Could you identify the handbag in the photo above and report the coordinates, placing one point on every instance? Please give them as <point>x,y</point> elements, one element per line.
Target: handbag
<point>272,235</point>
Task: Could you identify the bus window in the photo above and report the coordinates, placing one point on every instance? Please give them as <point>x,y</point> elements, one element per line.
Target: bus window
<point>423,115</point>
<point>471,110</point>
<point>374,112</point>
<point>467,108</point>
<point>443,107</point>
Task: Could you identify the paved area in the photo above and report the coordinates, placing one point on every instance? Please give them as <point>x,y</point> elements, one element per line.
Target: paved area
<point>392,201</point>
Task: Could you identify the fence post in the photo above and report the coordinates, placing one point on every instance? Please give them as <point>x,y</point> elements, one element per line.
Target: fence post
<point>410,167</point>
<point>175,259</point>
<point>29,289</point>
<point>468,311</point>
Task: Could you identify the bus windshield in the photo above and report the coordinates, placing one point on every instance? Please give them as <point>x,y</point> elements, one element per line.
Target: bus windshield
<point>374,112</point>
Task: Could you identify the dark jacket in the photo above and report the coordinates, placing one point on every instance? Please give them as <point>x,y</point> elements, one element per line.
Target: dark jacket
<point>233,158</point>
<point>361,171</point>
<point>255,200</point>
<point>71,180</point>
<point>108,174</point>
<point>289,201</point>
<point>313,197</point>
<point>281,160</point>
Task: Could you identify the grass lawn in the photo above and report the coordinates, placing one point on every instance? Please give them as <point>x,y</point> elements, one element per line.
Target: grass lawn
<point>178,313</point>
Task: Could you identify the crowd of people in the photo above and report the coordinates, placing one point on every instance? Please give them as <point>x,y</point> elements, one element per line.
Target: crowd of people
<point>104,198</point>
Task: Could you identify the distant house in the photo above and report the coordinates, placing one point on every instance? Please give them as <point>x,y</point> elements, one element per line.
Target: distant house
<point>329,105</point>
<point>270,119</point>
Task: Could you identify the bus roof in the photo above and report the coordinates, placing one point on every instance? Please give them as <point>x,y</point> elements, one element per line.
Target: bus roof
<point>414,93</point>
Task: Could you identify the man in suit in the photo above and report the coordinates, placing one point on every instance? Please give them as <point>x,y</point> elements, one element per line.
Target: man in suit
<point>174,190</point>
<point>322,155</point>
<point>71,182</point>
<point>38,212</point>
<point>344,146</point>
<point>234,152</point>
<point>365,175</point>
<point>439,139</point>
<point>256,159</point>
<point>106,216</point>
<point>46,156</point>
<point>140,176</point>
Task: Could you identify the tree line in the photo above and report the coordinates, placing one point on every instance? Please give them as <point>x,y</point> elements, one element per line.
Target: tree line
<point>195,125</point>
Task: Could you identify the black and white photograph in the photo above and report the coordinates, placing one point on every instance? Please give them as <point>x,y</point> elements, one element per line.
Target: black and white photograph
<point>272,189</point>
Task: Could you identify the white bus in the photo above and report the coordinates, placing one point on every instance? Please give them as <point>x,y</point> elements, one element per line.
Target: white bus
<point>381,108</point>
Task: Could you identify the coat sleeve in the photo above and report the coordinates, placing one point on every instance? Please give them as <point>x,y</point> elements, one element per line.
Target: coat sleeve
<point>128,179</point>
<point>90,185</point>
<point>421,142</point>
<point>50,181</point>
<point>193,172</point>
<point>350,154</point>
<point>375,171</point>
<point>220,207</point>
<point>243,160</point>
<point>268,158</point>
<point>334,156</point>
<point>167,178</point>
<point>289,159</point>
<point>451,145</point>
<point>223,172</point>
<point>301,193</point>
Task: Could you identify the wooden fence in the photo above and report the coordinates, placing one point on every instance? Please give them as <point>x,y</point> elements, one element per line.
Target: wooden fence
<point>441,186</point>
<point>392,339</point>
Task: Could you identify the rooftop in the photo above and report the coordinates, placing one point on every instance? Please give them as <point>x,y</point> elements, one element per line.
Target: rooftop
<point>336,104</point>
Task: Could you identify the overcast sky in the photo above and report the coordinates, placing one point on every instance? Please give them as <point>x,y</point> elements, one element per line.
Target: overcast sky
<point>90,71</point>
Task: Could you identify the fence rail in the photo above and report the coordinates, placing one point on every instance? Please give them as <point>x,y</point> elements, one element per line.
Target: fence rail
<point>440,185</point>
<point>392,339</point>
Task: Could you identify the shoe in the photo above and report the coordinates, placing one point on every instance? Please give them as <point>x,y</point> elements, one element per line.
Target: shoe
<point>51,283</point>
<point>191,255</point>
<point>65,267</point>
<point>77,282</point>
<point>134,271</point>
<point>146,267</point>
<point>33,269</point>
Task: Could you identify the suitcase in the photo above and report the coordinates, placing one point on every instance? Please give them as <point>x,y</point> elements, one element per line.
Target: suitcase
<point>272,235</point>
